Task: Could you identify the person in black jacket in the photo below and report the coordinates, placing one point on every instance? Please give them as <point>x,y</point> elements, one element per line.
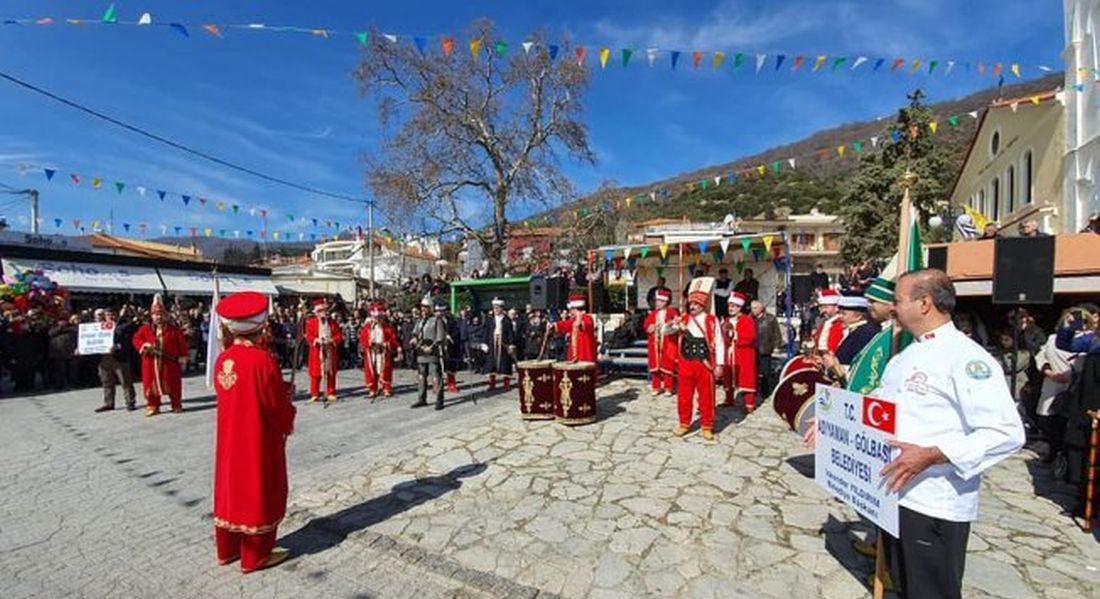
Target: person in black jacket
<point>535,333</point>
<point>501,345</point>
<point>62,356</point>
<point>477,341</point>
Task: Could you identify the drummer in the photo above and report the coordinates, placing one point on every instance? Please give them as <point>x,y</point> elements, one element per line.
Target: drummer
<point>663,342</point>
<point>581,331</point>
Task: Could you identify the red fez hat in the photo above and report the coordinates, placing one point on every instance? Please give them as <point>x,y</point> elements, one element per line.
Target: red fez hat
<point>243,312</point>
<point>576,300</point>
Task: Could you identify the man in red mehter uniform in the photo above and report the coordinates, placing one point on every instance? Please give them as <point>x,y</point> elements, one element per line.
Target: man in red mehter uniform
<point>662,343</point>
<point>254,418</point>
<point>323,336</point>
<point>581,330</point>
<point>740,376</point>
<point>378,339</point>
<point>831,331</point>
<point>163,350</point>
<point>702,356</point>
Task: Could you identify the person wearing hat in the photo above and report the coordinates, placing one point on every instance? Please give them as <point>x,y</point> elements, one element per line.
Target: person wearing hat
<point>163,350</point>
<point>830,332</point>
<point>702,358</point>
<point>722,288</point>
<point>740,331</point>
<point>501,347</point>
<point>663,342</point>
<point>254,419</point>
<point>323,337</point>
<point>430,340</point>
<point>581,330</point>
<point>378,341</point>
<point>880,294</point>
<point>860,332</point>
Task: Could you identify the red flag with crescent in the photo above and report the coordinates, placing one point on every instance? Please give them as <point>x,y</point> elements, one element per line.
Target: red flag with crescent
<point>879,414</point>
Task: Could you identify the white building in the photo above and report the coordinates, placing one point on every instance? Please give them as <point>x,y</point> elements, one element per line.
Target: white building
<point>1082,159</point>
<point>392,262</point>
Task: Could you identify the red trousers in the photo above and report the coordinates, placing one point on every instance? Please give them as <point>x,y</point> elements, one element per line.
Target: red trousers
<point>696,379</point>
<point>374,383</point>
<point>661,380</point>
<point>253,550</point>
<point>315,385</point>
<point>729,383</point>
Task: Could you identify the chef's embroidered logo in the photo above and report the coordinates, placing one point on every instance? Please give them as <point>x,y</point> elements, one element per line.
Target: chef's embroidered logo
<point>977,369</point>
<point>227,378</point>
<point>917,383</point>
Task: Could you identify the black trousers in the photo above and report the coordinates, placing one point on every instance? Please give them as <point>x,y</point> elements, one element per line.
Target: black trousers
<point>433,370</point>
<point>927,562</point>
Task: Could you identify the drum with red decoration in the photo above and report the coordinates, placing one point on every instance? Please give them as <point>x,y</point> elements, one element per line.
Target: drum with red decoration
<point>793,397</point>
<point>575,392</point>
<point>536,389</point>
<point>798,362</point>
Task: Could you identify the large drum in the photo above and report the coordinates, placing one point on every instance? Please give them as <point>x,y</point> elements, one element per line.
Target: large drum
<point>536,389</point>
<point>798,362</point>
<point>793,397</point>
<point>575,392</point>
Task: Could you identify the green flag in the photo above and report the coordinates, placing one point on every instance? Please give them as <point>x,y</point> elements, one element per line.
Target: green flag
<point>627,53</point>
<point>110,15</point>
<point>362,37</point>
<point>870,362</point>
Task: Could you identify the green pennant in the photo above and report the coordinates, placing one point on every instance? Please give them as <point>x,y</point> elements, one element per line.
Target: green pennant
<point>953,121</point>
<point>110,15</point>
<point>290,218</point>
<point>627,53</point>
<point>221,232</point>
<point>857,146</point>
<point>644,251</point>
<point>501,49</point>
<point>236,208</point>
<point>932,66</point>
<point>118,184</point>
<point>362,36</point>
<point>738,60</point>
<point>703,183</point>
<point>775,166</point>
<point>746,243</point>
<point>839,61</point>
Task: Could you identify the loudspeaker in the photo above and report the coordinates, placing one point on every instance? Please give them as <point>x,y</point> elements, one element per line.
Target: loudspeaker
<point>937,258</point>
<point>599,298</point>
<point>538,292</point>
<point>801,289</point>
<point>1023,270</point>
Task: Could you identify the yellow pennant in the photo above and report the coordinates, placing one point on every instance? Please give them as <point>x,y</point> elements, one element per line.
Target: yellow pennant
<point>840,151</point>
<point>627,201</point>
<point>97,182</point>
<point>208,232</point>
<point>718,56</point>
<point>605,53</point>
<point>819,61</point>
<point>933,125</point>
<point>1035,100</point>
<point>768,242</point>
<point>475,47</point>
<point>274,235</point>
<point>761,169</point>
<point>664,250</point>
<point>95,225</point>
<point>220,205</point>
<point>1015,68</point>
<point>916,65</point>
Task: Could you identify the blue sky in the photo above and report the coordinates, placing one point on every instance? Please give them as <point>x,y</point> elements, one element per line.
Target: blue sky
<point>286,104</point>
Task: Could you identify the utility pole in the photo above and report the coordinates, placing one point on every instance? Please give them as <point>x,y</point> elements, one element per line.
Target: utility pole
<point>370,244</point>
<point>34,210</point>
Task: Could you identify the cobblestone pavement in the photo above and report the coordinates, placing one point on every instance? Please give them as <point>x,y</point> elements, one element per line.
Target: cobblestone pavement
<point>474,502</point>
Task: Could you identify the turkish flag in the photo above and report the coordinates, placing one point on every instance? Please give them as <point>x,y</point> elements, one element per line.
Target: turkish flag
<point>879,414</point>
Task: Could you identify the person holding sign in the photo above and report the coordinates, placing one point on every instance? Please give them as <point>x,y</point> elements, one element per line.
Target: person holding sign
<point>955,419</point>
<point>163,350</point>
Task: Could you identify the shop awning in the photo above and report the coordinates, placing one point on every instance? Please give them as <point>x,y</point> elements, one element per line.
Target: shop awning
<point>90,277</point>
<point>185,282</point>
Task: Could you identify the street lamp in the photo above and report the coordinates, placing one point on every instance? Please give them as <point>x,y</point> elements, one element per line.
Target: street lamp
<point>944,221</point>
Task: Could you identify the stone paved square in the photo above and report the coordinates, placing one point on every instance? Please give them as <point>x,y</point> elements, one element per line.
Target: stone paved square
<point>474,502</point>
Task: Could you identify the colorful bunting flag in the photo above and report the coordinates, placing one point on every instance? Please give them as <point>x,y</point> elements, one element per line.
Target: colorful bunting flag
<point>627,53</point>
<point>49,173</point>
<point>651,55</point>
<point>213,29</point>
<point>96,182</point>
<point>768,239</point>
<point>119,185</point>
<point>820,60</point>
<point>475,47</point>
<point>605,53</point>
<point>675,56</point>
<point>110,16</point>
<point>580,52</point>
<point>779,61</point>
<point>696,59</point>
<point>664,251</point>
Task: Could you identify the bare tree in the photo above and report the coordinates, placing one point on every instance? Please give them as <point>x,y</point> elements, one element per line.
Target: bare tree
<point>465,131</point>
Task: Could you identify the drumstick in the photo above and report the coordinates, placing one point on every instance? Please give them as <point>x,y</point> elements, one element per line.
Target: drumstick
<point>545,337</point>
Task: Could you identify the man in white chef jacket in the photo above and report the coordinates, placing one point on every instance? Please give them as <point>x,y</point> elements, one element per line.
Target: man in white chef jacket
<point>955,419</point>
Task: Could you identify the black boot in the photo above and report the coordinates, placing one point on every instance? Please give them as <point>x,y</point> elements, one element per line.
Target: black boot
<point>438,405</point>
<point>419,404</point>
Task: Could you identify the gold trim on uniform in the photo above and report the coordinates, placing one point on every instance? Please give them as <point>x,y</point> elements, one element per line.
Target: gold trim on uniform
<point>227,378</point>
<point>248,530</point>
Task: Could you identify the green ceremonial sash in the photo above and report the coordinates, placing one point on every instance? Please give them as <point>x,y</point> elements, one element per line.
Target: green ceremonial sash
<point>870,362</point>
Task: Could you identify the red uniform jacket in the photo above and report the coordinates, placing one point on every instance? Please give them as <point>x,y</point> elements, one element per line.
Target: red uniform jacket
<point>742,351</point>
<point>829,334</point>
<point>582,338</point>
<point>716,345</point>
<point>254,418</point>
<point>313,328</point>
<point>371,356</point>
<point>173,346</point>
<point>664,349</point>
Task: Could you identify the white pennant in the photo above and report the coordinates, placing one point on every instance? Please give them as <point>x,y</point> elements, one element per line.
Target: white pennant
<point>973,114</point>
<point>874,141</point>
<point>164,229</point>
<point>141,191</point>
<point>860,60</point>
<point>301,236</point>
<point>252,212</point>
<point>651,54</point>
<point>146,19</point>
<point>236,233</point>
<point>950,67</point>
<point>527,47</point>
<point>760,58</point>
<point>626,252</point>
<point>653,196</point>
<point>725,243</point>
<point>391,37</point>
<point>718,180</point>
<point>256,26</point>
<point>790,161</point>
<point>1014,106</point>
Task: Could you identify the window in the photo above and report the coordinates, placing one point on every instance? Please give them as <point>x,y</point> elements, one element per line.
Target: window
<point>995,197</point>
<point>1027,177</point>
<point>981,201</point>
<point>1010,199</point>
<point>995,143</point>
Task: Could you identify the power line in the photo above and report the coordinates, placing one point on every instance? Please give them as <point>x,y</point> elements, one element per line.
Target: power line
<point>177,145</point>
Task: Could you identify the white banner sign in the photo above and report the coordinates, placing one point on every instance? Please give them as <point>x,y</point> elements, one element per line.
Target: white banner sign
<point>852,447</point>
<point>95,338</point>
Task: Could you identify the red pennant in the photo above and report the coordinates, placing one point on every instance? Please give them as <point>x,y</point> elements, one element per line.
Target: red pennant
<point>202,201</point>
<point>448,45</point>
<point>798,62</point>
<point>76,178</point>
<point>194,231</point>
<point>580,55</point>
<point>997,70</point>
<point>76,223</point>
<point>213,30</point>
<point>981,69</point>
<point>897,64</point>
<point>696,58</point>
